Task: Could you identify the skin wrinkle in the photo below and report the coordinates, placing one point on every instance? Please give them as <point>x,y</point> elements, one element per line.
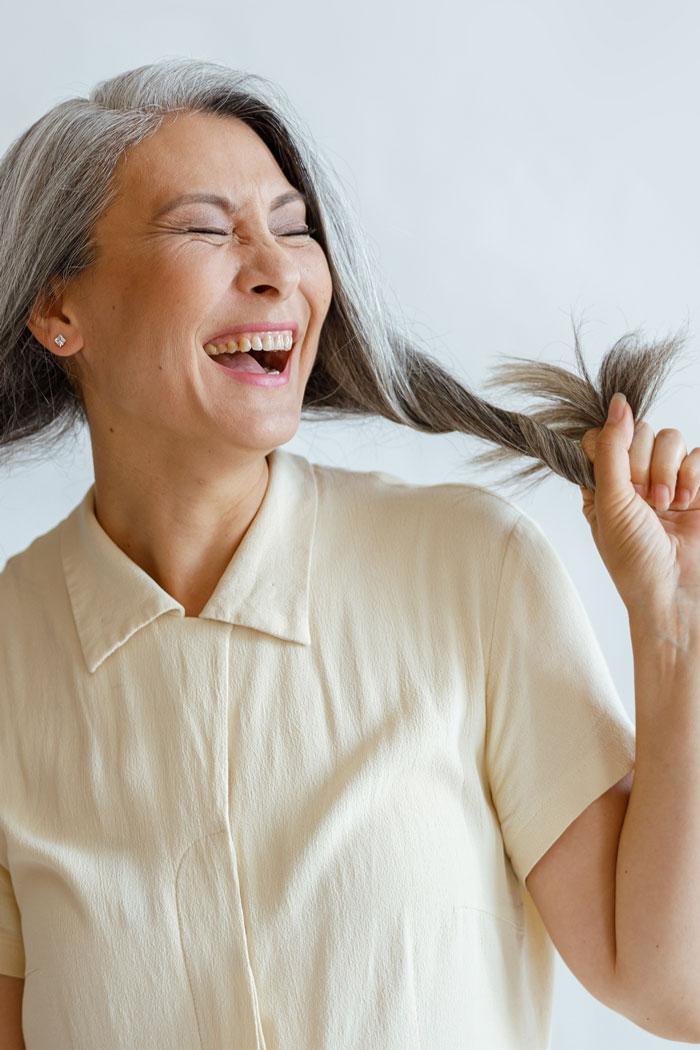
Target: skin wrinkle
<point>179,449</point>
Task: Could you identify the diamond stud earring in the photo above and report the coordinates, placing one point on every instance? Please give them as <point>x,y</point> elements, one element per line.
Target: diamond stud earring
<point>60,340</point>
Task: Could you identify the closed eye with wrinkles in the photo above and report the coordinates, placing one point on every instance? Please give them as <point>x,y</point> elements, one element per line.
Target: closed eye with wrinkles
<point>310,231</point>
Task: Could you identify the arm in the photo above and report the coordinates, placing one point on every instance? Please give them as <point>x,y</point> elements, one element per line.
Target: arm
<point>11,991</point>
<point>638,948</point>
<point>617,891</point>
<point>657,904</point>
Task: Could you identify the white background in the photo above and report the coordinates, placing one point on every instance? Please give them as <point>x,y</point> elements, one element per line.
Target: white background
<point>511,163</point>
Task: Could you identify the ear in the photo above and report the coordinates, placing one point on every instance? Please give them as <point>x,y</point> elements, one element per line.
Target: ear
<point>47,320</point>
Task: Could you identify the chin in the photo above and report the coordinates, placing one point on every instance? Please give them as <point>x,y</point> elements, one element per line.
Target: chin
<point>263,438</point>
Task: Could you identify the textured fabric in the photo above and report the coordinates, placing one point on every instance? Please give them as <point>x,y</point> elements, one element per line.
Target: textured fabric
<point>303,819</point>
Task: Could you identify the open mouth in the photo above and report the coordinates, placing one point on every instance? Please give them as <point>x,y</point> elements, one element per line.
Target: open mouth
<point>269,360</point>
<point>259,362</point>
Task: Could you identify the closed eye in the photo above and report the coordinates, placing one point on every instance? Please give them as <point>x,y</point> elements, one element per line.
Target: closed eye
<point>224,233</point>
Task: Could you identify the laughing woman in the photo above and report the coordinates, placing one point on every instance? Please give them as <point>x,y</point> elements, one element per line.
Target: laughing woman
<point>293,756</point>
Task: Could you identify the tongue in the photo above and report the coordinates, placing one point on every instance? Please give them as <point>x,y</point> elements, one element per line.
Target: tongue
<point>239,362</point>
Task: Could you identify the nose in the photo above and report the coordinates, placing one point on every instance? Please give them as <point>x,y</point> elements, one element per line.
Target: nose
<point>266,264</point>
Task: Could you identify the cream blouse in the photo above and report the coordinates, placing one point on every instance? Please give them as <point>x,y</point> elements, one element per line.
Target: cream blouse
<point>301,820</point>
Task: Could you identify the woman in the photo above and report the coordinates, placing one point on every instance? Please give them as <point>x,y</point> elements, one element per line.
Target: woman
<point>281,743</point>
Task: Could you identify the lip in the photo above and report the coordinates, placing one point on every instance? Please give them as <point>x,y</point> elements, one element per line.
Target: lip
<point>258,326</point>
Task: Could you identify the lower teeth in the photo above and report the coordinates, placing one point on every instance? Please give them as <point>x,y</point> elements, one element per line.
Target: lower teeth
<point>272,371</point>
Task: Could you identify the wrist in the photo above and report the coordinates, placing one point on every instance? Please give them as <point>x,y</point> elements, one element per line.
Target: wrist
<point>672,624</point>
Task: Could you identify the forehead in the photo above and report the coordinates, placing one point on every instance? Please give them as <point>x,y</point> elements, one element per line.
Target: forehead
<point>200,151</point>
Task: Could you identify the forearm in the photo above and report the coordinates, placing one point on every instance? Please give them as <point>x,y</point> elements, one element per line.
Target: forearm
<point>657,901</point>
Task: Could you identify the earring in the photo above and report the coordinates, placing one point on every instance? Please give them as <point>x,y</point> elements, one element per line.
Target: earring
<point>60,340</point>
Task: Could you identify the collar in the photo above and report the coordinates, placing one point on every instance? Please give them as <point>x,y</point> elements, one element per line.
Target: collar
<point>265,586</point>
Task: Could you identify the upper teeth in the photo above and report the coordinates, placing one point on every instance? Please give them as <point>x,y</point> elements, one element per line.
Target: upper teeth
<point>254,341</point>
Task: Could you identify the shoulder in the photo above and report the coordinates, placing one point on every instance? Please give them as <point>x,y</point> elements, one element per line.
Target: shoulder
<point>26,564</point>
<point>457,508</point>
<point>30,580</point>
<point>455,533</point>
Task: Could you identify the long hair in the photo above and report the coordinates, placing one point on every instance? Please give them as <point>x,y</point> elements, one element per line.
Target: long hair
<point>369,361</point>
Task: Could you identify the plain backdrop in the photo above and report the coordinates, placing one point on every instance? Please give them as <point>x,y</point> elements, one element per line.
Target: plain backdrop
<point>511,163</point>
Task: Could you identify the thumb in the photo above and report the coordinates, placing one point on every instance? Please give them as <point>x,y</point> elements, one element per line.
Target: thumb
<point>611,467</point>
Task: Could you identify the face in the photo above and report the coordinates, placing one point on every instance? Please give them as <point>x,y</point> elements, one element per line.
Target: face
<point>163,284</point>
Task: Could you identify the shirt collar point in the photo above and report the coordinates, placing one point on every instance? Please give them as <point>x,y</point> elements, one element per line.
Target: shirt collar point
<point>265,586</point>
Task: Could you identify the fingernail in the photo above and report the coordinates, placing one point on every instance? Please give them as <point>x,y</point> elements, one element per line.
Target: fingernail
<point>682,497</point>
<point>662,497</point>
<point>616,407</point>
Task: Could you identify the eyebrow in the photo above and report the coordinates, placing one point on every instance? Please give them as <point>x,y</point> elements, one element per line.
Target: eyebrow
<point>224,203</point>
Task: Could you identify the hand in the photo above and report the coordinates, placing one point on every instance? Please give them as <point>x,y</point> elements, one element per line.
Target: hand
<point>651,549</point>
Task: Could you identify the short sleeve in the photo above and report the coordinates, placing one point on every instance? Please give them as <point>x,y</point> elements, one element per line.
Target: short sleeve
<point>11,943</point>
<point>557,733</point>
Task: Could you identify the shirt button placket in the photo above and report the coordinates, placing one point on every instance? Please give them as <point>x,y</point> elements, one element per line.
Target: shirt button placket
<point>210,908</point>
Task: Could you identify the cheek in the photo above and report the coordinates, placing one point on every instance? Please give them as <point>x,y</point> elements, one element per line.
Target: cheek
<point>317,283</point>
<point>165,278</point>
<point>176,289</point>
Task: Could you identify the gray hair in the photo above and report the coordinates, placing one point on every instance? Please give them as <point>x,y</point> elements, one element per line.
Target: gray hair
<point>369,361</point>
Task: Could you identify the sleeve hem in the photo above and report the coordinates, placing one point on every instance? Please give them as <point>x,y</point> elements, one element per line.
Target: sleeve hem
<point>12,961</point>
<point>602,764</point>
